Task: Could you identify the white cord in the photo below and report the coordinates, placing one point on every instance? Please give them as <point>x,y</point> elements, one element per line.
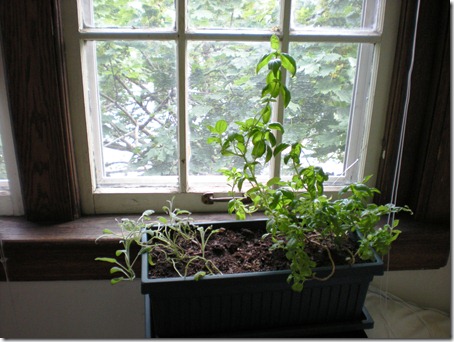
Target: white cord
<point>3,260</point>
<point>415,309</point>
<point>403,127</point>
<point>404,120</point>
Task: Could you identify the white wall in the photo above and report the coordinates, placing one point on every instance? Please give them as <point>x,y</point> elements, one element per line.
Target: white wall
<point>71,309</point>
<point>96,309</point>
<point>428,289</point>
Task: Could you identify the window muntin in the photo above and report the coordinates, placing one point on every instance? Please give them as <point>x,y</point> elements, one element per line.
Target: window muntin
<point>104,193</point>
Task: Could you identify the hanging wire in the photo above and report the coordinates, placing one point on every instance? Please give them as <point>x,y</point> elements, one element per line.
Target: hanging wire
<point>396,178</point>
<point>403,127</point>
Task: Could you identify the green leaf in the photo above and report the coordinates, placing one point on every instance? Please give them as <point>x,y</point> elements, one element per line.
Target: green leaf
<point>240,146</point>
<point>275,88</point>
<point>259,149</point>
<point>269,153</point>
<point>145,250</point>
<point>274,65</point>
<point>288,62</point>
<point>273,181</point>
<point>107,231</point>
<point>213,140</point>
<point>279,148</point>
<point>297,287</point>
<point>148,212</point>
<point>109,260</point>
<point>257,137</point>
<point>116,280</point>
<point>266,90</point>
<point>115,269</point>
<point>221,126</point>
<point>199,275</point>
<point>271,138</point>
<point>287,193</point>
<point>275,44</point>
<point>119,252</point>
<point>286,96</point>
<point>277,126</point>
<point>227,153</point>
<point>266,114</point>
<point>359,188</point>
<point>263,61</point>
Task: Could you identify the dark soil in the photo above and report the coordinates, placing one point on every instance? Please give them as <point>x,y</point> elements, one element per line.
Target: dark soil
<point>239,251</point>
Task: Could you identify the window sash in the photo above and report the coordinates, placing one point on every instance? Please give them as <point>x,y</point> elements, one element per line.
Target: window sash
<point>138,197</point>
<point>181,35</point>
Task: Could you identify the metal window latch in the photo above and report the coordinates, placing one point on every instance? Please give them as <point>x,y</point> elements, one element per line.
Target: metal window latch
<point>208,198</point>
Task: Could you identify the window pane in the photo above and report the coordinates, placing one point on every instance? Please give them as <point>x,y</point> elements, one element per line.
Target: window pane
<point>258,14</point>
<point>137,94</point>
<point>130,13</point>
<point>3,175</point>
<point>4,186</point>
<point>222,85</point>
<point>322,91</point>
<point>346,14</point>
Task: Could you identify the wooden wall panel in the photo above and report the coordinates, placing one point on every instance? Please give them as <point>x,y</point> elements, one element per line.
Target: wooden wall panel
<point>36,86</point>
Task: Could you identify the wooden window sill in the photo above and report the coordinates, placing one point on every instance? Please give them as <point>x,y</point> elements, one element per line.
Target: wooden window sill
<point>66,251</point>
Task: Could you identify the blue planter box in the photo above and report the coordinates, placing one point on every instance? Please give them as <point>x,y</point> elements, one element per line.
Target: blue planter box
<point>238,304</point>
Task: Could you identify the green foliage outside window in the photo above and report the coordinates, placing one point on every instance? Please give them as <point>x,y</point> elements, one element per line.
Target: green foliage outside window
<point>137,81</point>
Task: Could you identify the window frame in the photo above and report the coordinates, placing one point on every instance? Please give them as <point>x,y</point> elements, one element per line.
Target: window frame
<point>135,199</point>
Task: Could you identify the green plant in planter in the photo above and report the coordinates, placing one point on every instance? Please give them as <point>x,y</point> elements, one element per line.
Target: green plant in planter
<point>299,213</point>
<point>167,235</point>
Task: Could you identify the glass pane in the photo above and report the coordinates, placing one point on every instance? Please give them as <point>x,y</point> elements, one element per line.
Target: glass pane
<point>3,175</point>
<point>319,113</point>
<point>257,14</point>
<point>137,94</point>
<point>222,84</point>
<point>345,14</point>
<point>130,13</point>
<point>4,186</point>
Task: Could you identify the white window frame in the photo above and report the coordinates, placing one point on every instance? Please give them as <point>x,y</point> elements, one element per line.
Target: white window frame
<point>135,197</point>
<point>10,192</point>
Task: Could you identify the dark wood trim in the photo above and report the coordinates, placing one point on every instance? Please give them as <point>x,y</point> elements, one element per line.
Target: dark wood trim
<point>66,251</point>
<point>38,99</point>
<point>420,246</point>
<point>424,182</point>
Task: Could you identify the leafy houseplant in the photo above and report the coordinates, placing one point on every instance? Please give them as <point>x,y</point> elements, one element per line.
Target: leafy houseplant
<point>299,211</point>
<point>300,217</point>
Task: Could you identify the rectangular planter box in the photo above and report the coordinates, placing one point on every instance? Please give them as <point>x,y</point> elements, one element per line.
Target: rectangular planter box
<point>234,303</point>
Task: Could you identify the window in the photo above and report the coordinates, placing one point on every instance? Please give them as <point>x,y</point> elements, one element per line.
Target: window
<point>147,78</point>
<point>10,199</point>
